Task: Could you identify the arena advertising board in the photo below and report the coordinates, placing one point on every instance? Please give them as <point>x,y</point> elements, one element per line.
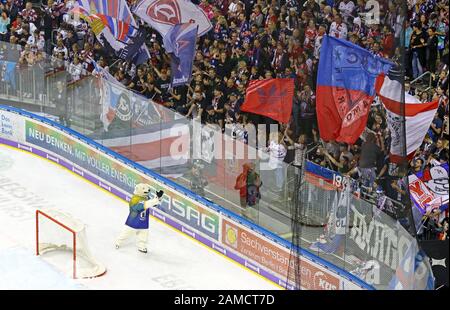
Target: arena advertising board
<point>120,176</point>
<point>268,254</point>
<point>9,126</point>
<point>249,248</point>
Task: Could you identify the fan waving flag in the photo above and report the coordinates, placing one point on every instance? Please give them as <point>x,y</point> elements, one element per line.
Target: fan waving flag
<point>114,26</point>
<point>345,88</point>
<point>416,115</point>
<point>163,15</point>
<point>272,98</point>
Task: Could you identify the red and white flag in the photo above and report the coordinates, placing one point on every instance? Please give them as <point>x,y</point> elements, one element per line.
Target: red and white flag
<point>416,115</point>
<point>163,15</point>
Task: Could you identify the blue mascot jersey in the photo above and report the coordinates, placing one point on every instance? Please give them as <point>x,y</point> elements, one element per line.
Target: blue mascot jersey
<point>138,217</point>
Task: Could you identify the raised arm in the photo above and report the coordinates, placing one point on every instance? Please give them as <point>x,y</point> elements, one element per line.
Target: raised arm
<point>155,201</point>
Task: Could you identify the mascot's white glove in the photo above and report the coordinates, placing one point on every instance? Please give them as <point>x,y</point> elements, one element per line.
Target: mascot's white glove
<point>155,201</point>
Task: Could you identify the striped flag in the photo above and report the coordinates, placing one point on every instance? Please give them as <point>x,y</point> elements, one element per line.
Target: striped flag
<point>416,115</point>
<point>113,13</point>
<point>112,21</point>
<point>152,146</point>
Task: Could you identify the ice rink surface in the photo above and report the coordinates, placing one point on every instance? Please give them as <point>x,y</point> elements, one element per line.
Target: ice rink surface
<point>174,261</point>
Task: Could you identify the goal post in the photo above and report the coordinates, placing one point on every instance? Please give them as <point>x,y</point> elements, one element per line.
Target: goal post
<point>59,231</point>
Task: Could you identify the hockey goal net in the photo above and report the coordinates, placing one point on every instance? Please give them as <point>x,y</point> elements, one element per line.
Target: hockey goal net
<point>59,231</point>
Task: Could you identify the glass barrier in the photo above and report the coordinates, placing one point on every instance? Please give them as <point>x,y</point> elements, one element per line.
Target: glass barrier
<point>331,222</point>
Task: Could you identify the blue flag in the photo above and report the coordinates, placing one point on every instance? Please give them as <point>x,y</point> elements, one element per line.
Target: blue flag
<point>135,50</point>
<point>180,44</point>
<point>345,88</point>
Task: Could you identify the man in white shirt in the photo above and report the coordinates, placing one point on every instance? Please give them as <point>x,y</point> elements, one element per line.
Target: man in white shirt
<point>277,151</point>
<point>60,48</point>
<point>318,40</point>
<point>75,69</point>
<point>338,28</point>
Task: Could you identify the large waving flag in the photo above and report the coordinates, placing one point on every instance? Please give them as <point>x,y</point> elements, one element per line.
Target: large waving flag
<point>114,26</point>
<point>272,98</point>
<point>416,115</point>
<point>163,15</point>
<point>180,44</point>
<point>345,88</point>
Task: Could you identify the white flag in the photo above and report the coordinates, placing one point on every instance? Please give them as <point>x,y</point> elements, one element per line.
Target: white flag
<point>163,15</point>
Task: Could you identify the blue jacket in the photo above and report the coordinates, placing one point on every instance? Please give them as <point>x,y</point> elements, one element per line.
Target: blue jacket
<point>138,216</point>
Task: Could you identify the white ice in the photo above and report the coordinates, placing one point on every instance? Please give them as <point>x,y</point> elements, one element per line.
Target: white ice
<point>174,260</point>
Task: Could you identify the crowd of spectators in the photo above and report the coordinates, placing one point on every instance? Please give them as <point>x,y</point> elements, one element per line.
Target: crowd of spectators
<point>260,39</point>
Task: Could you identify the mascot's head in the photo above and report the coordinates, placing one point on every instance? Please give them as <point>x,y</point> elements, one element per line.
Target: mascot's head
<point>142,190</point>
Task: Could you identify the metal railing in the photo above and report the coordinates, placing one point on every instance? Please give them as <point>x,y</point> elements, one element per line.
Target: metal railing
<point>418,82</point>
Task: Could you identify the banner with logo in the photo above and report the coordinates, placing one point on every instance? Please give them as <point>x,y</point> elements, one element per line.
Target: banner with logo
<point>276,258</point>
<point>122,108</point>
<point>408,118</point>
<point>430,189</point>
<point>163,15</point>
<point>134,127</point>
<point>345,88</point>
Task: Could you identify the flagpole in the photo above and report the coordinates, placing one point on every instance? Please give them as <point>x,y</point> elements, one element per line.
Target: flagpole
<point>404,10</point>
